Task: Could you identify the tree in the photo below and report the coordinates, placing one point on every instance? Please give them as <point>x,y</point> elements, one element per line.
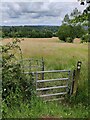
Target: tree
<point>78,31</point>
<point>75,13</point>
<point>76,25</point>
<point>80,18</point>
<point>84,17</point>
<point>65,31</point>
<point>66,19</point>
<point>83,1</point>
<point>68,32</point>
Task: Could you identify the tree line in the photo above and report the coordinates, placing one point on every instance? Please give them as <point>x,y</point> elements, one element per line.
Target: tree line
<point>29,31</point>
<point>75,25</point>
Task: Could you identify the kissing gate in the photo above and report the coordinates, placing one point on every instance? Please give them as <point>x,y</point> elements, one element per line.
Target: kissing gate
<point>54,84</point>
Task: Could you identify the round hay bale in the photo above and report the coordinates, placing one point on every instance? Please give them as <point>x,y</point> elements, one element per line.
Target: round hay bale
<point>77,40</point>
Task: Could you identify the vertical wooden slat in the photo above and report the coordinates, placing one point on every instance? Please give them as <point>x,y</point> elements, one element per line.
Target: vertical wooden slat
<point>71,82</point>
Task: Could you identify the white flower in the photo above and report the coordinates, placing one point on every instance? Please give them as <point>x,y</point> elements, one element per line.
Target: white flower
<point>4,89</point>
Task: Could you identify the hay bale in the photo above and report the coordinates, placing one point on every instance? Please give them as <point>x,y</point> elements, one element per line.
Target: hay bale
<point>77,40</point>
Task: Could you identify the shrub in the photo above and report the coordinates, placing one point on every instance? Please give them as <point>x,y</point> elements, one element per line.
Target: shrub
<point>86,38</point>
<point>65,31</point>
<point>68,32</point>
<point>15,84</point>
<point>69,40</point>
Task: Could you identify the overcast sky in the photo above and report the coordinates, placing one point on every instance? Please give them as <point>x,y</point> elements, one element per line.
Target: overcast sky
<point>47,12</point>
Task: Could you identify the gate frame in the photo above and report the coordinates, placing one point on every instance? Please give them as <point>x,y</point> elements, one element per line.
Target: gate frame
<point>74,81</point>
<point>51,80</point>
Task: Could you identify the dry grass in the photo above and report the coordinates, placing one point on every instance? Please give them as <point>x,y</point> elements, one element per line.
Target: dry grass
<point>51,47</point>
<point>55,53</point>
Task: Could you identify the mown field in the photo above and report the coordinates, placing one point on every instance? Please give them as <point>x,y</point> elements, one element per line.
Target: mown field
<point>57,56</point>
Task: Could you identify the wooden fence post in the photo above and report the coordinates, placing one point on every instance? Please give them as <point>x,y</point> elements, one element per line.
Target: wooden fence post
<point>76,76</point>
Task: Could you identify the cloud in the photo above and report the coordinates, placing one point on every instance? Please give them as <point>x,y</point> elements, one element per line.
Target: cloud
<point>20,13</point>
<point>39,1</point>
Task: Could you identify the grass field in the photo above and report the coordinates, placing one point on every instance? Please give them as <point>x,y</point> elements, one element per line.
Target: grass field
<point>57,55</point>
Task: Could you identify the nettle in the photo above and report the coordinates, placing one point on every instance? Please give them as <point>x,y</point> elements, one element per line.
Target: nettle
<point>16,86</point>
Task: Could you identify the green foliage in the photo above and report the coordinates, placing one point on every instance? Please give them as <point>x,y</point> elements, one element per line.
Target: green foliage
<point>75,13</point>
<point>68,32</point>
<point>66,19</point>
<point>65,31</point>
<point>79,22</point>
<point>47,110</point>
<point>29,31</point>
<point>79,31</point>
<point>86,38</point>
<point>13,105</point>
<point>69,40</point>
<point>15,84</point>
<point>79,19</point>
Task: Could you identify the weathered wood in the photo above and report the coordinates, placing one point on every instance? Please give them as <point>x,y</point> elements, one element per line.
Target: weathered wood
<point>76,76</point>
<point>67,88</point>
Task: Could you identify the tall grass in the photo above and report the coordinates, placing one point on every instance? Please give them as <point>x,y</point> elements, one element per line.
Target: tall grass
<point>56,56</point>
<point>40,109</point>
<point>59,55</point>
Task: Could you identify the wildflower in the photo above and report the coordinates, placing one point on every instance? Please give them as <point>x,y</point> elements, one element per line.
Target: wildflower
<point>4,89</point>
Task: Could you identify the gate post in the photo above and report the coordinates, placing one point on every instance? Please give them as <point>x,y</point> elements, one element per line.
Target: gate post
<point>76,76</point>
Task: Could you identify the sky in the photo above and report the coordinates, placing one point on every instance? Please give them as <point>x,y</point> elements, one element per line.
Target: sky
<point>36,12</point>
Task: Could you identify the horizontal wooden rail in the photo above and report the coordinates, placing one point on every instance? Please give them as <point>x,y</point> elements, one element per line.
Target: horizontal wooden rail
<point>49,88</point>
<point>51,80</point>
<point>47,95</point>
